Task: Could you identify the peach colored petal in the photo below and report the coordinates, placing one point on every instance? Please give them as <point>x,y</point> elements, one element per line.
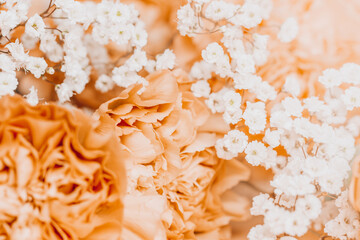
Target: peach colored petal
<point>64,170</point>
<point>142,216</point>
<point>202,141</point>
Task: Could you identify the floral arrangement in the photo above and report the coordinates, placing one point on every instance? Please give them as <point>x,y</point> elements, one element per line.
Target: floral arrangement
<point>197,119</point>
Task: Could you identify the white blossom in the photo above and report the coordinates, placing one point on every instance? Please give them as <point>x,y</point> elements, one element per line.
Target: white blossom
<point>187,22</point>
<point>36,66</point>
<point>32,96</point>
<point>249,15</point>
<point>35,26</point>
<point>351,73</point>
<point>64,92</point>
<point>292,85</point>
<point>215,102</point>
<point>331,78</point>
<point>104,83</point>
<point>256,153</point>
<point>232,101</point>
<point>137,61</point>
<point>292,106</point>
<point>289,30</point>
<point>273,137</point>
<point>235,141</point>
<point>201,88</point>
<point>8,83</point>
<point>351,98</point>
<point>255,117</point>
<point>261,232</point>
<point>212,53</point>
<point>218,10</point>
<point>165,60</point>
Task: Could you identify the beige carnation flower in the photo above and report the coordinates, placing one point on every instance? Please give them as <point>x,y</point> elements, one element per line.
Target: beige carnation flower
<point>60,178</point>
<point>178,188</point>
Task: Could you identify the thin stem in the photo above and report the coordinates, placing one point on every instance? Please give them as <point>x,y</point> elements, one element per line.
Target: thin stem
<point>323,237</point>
<point>49,28</point>
<point>7,39</point>
<point>117,61</point>
<point>44,12</point>
<point>48,15</point>
<point>302,148</point>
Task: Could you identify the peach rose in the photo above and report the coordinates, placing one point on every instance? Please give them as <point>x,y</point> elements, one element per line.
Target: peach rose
<point>60,176</point>
<point>174,167</point>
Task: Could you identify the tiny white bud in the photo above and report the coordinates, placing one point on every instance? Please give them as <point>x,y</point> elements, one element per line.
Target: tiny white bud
<point>50,70</point>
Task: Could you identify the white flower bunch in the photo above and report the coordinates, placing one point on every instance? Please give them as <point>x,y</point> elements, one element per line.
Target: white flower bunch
<point>73,37</point>
<point>236,57</point>
<point>318,143</point>
<point>317,161</point>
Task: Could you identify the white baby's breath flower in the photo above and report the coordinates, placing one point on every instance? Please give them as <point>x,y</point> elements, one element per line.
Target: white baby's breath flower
<point>32,96</point>
<point>245,64</point>
<point>264,91</point>
<point>292,106</point>
<point>232,117</point>
<point>201,88</point>
<point>215,102</point>
<point>201,70</point>
<point>232,101</point>
<point>273,137</point>
<point>351,98</point>
<point>313,104</point>
<point>255,117</point>
<point>165,60</point>
<point>17,51</point>
<point>235,141</point>
<point>222,151</point>
<point>309,205</point>
<point>137,61</point>
<point>256,153</point>
<point>36,65</point>
<point>139,36</point>
<point>261,232</point>
<point>8,83</point>
<point>150,66</point>
<point>186,20</point>
<point>212,53</point>
<point>331,78</point>
<point>7,64</point>
<point>261,204</point>
<point>123,77</point>
<point>249,15</point>
<point>35,26</point>
<point>289,30</point>
<point>104,83</point>
<point>292,85</point>
<point>218,10</point>
<point>64,92</point>
<point>351,73</point>
<point>64,4</point>
<point>246,81</point>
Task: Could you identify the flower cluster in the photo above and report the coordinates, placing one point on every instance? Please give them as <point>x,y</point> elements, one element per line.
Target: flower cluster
<point>304,141</point>
<point>173,164</point>
<point>60,177</point>
<point>73,37</point>
<point>189,101</point>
